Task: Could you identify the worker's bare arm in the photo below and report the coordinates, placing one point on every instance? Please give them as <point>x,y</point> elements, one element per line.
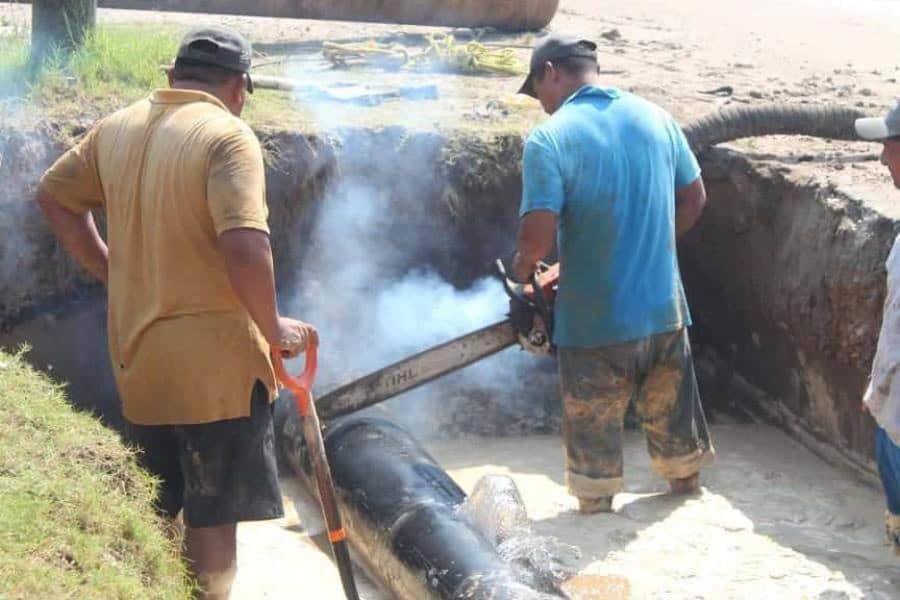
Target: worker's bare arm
<point>78,235</point>
<point>689,202</point>
<point>248,259</point>
<point>537,234</point>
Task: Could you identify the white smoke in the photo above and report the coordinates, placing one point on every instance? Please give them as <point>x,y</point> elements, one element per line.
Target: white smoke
<point>25,151</point>
<point>369,279</point>
<point>421,309</point>
<point>366,287</point>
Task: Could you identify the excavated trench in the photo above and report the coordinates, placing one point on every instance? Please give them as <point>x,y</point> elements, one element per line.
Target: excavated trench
<point>786,284</point>
<point>784,277</point>
<point>446,224</point>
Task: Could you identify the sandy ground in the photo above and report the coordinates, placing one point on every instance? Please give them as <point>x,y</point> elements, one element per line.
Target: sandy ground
<point>773,521</point>
<point>285,559</point>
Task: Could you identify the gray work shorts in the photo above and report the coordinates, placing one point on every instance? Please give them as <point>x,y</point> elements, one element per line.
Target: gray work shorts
<point>220,473</point>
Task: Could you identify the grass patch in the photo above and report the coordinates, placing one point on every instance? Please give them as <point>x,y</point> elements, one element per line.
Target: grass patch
<point>116,64</point>
<point>13,62</point>
<point>75,510</point>
<point>119,64</point>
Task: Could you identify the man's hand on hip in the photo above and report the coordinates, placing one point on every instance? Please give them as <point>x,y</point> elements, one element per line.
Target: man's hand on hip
<point>294,337</point>
<point>78,235</point>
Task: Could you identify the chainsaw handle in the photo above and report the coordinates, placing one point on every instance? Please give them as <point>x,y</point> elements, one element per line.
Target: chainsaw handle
<point>540,300</point>
<point>537,300</point>
<point>301,385</point>
<point>514,289</point>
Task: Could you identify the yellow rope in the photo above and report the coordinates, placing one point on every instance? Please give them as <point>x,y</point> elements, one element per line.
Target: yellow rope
<point>443,53</point>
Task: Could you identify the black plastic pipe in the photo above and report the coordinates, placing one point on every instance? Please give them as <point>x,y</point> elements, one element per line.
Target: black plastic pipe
<point>830,122</point>
<point>400,509</point>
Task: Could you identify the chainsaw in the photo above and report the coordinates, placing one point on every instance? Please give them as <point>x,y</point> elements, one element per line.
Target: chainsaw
<point>529,323</point>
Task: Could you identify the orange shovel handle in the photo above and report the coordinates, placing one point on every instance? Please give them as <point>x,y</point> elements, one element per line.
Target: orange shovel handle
<point>302,384</point>
<point>312,435</point>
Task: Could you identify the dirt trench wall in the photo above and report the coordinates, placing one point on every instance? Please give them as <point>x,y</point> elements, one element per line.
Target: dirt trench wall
<point>37,275</point>
<point>449,198</point>
<point>786,284</point>
<point>33,268</point>
<point>785,278</point>
<point>48,302</point>
<point>449,189</point>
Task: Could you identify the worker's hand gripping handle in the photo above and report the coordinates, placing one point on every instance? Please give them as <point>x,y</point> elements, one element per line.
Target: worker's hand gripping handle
<point>531,307</point>
<point>300,386</point>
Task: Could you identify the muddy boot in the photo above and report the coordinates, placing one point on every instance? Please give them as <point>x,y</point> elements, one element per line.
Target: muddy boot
<point>892,528</point>
<point>590,506</point>
<point>685,486</point>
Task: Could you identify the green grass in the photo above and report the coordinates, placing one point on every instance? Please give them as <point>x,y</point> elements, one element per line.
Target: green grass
<point>75,510</point>
<point>13,62</point>
<point>119,64</point>
<point>116,64</point>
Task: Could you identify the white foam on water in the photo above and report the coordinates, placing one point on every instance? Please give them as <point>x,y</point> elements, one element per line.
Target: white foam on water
<point>496,510</point>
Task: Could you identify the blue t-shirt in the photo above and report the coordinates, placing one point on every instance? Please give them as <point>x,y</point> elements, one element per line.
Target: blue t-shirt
<point>608,164</point>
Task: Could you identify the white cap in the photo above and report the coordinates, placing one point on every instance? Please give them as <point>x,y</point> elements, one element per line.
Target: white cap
<point>880,128</point>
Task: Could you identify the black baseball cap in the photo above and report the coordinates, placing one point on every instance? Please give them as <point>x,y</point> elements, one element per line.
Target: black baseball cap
<point>556,47</point>
<point>219,47</point>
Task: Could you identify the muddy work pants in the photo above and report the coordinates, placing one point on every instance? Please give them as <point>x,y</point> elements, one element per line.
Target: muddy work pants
<point>657,373</point>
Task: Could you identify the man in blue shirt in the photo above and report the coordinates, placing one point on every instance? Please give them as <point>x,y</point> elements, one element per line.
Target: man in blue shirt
<point>612,178</point>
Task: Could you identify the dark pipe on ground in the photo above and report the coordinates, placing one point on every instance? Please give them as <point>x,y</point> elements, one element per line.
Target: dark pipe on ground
<point>400,508</point>
<point>514,15</point>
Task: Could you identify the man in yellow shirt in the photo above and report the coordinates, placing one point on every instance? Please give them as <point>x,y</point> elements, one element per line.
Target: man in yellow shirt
<point>192,304</point>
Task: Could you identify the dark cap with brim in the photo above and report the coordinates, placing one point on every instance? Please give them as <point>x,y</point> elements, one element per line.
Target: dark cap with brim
<point>880,128</point>
<point>556,47</point>
<point>218,47</point>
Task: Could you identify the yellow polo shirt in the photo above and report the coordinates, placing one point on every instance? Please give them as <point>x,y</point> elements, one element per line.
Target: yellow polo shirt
<point>172,172</point>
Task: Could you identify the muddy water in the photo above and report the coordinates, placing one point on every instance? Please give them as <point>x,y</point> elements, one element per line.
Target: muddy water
<point>773,521</point>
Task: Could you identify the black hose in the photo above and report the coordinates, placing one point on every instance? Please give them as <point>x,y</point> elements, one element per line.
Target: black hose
<point>389,480</point>
<point>831,122</point>
<point>401,512</point>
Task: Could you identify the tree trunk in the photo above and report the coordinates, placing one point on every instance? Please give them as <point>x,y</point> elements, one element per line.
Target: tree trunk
<point>59,26</point>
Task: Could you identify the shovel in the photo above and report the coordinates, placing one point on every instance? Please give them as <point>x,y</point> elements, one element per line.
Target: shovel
<point>312,435</point>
